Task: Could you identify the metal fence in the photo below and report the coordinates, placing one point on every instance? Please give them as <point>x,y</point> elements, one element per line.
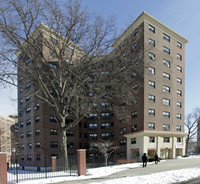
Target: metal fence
<point>17,173</point>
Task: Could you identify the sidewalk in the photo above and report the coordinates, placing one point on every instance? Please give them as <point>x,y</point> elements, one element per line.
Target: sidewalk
<point>151,168</point>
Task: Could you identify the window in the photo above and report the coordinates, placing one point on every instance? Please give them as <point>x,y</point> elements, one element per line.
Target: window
<point>178,139</point>
<point>21,102</point>
<point>178,128</point>
<point>152,112</point>
<point>134,114</point>
<point>166,63</point>
<point>179,80</point>
<point>105,136</point>
<point>166,75</point>
<point>28,86</point>
<point>135,86</point>
<point>29,145</point>
<point>151,28</point>
<point>28,61</point>
<point>70,145</point>
<point>21,56</point>
<point>93,136</point>
<point>133,141</point>
<point>166,50</point>
<point>166,127</point>
<point>28,110</point>
<point>28,122</point>
<point>134,45</point>
<point>29,157</point>
<point>105,115</point>
<point>179,57</point>
<point>105,125</point>
<point>151,42</point>
<point>152,139</point>
<point>53,119</point>
<point>178,116</point>
<point>21,135</point>
<point>21,113</point>
<point>22,147</point>
<point>166,139</point>
<point>37,144</point>
<point>166,89</point>
<point>53,132</point>
<point>179,92</point>
<point>28,98</point>
<point>179,45</point>
<point>38,157</point>
<point>152,98</point>
<point>134,128</point>
<point>122,142</point>
<point>37,132</point>
<point>152,70</point>
<point>135,59</point>
<point>166,114</point>
<point>105,104</point>
<point>134,74</point>
<point>122,131</point>
<point>37,119</point>
<point>179,69</point>
<point>53,53</point>
<point>166,37</point>
<point>37,106</point>
<point>166,101</point>
<point>69,49</point>
<point>93,126</point>
<point>93,116</point>
<point>21,124</point>
<point>152,84</point>
<point>135,32</point>
<point>152,56</point>
<point>152,126</point>
<point>28,134</point>
<point>54,144</point>
<point>179,104</point>
<point>69,133</point>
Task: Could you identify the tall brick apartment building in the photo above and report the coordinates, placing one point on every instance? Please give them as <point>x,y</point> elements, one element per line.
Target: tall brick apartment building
<point>157,123</point>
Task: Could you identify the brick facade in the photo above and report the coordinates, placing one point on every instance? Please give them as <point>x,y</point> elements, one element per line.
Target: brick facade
<point>3,168</point>
<point>81,162</point>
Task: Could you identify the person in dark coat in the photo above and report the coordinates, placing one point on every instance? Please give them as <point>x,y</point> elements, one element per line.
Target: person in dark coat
<point>156,158</point>
<point>144,160</point>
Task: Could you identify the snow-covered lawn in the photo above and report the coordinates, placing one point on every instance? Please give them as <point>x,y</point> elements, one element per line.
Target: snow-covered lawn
<point>157,178</point>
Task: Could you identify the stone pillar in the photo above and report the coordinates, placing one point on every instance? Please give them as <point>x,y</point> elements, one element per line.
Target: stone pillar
<point>81,162</point>
<point>53,162</point>
<point>3,168</point>
<point>174,141</point>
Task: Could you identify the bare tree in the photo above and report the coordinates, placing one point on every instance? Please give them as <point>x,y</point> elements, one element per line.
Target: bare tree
<point>106,148</point>
<point>191,125</point>
<point>68,60</point>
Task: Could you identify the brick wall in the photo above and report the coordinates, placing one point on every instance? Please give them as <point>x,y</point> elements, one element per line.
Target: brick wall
<point>81,162</point>
<point>3,168</point>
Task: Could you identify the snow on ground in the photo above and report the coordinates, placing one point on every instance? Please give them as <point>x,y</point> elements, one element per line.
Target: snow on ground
<point>157,178</point>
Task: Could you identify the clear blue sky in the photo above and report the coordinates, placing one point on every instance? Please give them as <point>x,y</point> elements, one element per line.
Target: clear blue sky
<point>183,16</point>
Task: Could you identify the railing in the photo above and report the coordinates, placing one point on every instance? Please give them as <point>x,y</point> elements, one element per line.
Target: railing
<point>17,173</point>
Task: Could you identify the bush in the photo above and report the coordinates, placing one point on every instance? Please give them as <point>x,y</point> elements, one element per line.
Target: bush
<point>151,159</point>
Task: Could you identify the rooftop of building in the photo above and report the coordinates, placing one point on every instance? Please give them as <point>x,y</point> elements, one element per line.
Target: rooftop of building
<point>145,17</point>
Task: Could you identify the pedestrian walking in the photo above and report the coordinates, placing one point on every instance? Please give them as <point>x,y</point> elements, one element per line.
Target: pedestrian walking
<point>156,159</point>
<point>144,160</point>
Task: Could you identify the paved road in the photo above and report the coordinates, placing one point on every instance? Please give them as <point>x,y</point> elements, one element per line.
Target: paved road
<point>167,165</point>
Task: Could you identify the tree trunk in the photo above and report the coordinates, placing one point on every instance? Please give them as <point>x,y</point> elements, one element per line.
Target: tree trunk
<point>106,161</point>
<point>186,146</point>
<point>63,148</point>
